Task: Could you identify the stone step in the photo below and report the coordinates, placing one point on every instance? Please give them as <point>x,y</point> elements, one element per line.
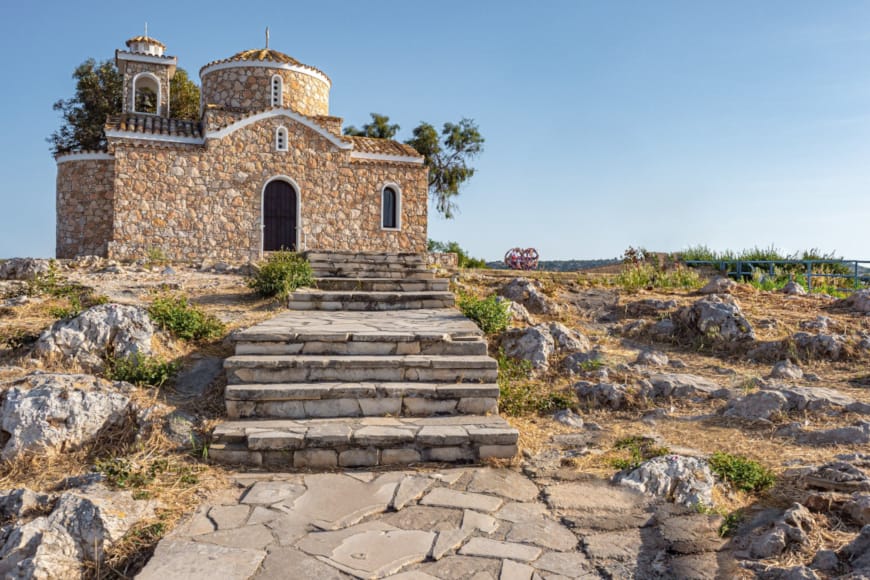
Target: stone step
<point>366,345</point>
<point>368,257</point>
<point>320,400</point>
<point>371,271</point>
<point>325,368</point>
<point>382,285</point>
<point>364,442</point>
<point>307,299</point>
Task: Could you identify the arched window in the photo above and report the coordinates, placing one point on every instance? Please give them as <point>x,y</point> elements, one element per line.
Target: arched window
<point>281,139</point>
<point>277,91</point>
<point>146,94</point>
<point>391,204</point>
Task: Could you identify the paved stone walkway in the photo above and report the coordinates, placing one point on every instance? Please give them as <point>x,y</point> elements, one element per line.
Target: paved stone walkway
<point>479,523</point>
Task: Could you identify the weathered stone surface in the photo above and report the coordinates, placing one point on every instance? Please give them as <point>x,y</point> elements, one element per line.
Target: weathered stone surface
<point>511,570</point>
<point>651,358</point>
<point>569,418</point>
<point>377,554</point>
<point>857,552</point>
<point>334,501</point>
<point>568,340</point>
<point>759,405</point>
<point>529,294</point>
<point>49,410</point>
<point>503,482</point>
<point>786,370</point>
<point>23,268</point>
<point>649,307</point>
<point>718,285</point>
<point>858,509</point>
<point>487,548</point>
<point>857,302</point>
<point>285,563</point>
<point>794,289</point>
<point>692,534</point>
<point>193,382</point>
<point>87,339</point>
<point>687,481</point>
<point>570,565</point>
<point>448,540</point>
<point>534,344</point>
<point>228,517</point>
<point>196,561</point>
<point>608,395</point>
<point>856,434</point>
<point>252,537</point>
<point>666,385</point>
<point>591,496</point>
<point>619,546</point>
<point>459,499</point>
<point>521,512</point>
<point>543,532</point>
<point>464,567</point>
<point>420,517</point>
<point>272,492</point>
<point>472,521</point>
<point>716,318</point>
<point>791,528</point>
<point>411,488</point>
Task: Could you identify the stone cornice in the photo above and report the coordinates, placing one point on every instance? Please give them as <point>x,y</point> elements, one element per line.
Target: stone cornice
<point>84,156</point>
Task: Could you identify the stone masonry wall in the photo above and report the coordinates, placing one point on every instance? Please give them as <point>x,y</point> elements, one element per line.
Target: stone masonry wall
<point>250,88</point>
<point>193,202</point>
<point>84,207</point>
<point>161,72</point>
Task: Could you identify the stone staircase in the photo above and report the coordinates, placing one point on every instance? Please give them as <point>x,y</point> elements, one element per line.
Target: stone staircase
<point>339,381</point>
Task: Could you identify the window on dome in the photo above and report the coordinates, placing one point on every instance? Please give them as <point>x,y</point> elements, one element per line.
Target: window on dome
<point>277,91</point>
<point>281,139</point>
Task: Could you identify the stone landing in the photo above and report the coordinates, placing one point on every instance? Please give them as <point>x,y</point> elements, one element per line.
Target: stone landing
<point>339,385</point>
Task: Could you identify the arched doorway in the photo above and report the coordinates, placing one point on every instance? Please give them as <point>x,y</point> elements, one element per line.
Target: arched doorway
<point>280,216</point>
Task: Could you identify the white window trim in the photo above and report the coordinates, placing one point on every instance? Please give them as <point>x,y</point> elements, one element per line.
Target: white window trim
<point>286,138</point>
<point>280,80</point>
<point>398,190</point>
<point>296,187</point>
<point>156,79</point>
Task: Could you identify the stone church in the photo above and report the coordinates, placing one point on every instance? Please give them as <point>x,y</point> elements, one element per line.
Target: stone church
<point>265,167</point>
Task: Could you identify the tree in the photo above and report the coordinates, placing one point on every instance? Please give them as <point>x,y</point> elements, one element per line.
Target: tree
<point>447,158</point>
<point>379,127</point>
<point>446,155</point>
<point>183,96</point>
<point>99,88</point>
<point>98,95</point>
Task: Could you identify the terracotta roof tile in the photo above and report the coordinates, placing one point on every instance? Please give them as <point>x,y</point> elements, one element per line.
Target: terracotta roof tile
<point>154,125</point>
<point>381,146</point>
<point>147,39</point>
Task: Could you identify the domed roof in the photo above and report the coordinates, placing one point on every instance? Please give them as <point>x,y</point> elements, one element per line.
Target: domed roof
<point>265,55</point>
<point>145,40</point>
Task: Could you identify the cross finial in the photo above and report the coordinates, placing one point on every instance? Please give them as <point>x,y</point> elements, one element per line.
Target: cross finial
<point>146,29</point>
<point>267,37</point>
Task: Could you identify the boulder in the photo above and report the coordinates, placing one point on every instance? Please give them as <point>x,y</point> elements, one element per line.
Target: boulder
<point>720,285</point>
<point>858,509</point>
<point>649,307</point>
<point>686,481</point>
<point>21,503</point>
<point>791,528</point>
<point>858,302</point>
<point>681,386</point>
<point>529,294</point>
<point>519,313</point>
<point>820,346</point>
<point>568,340</point>
<point>857,552</point>
<point>857,434</point>
<point>58,411</point>
<point>87,339</point>
<point>813,398</point>
<point>578,362</point>
<point>82,526</point>
<point>818,323</point>
<point>761,405</point>
<point>24,268</point>
<point>534,344</point>
<point>569,418</point>
<point>794,289</point>
<point>663,329</point>
<point>651,358</point>
<point>785,369</point>
<point>607,395</point>
<point>717,318</point>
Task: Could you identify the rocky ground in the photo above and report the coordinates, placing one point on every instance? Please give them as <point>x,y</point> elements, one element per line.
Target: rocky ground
<point>622,393</point>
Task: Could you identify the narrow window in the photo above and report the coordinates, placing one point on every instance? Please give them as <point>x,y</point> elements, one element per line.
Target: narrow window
<point>281,139</point>
<point>389,208</point>
<point>277,91</point>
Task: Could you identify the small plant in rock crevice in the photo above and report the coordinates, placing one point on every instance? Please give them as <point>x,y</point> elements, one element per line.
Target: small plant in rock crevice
<point>638,450</point>
<point>742,473</point>
<point>491,314</point>
<point>184,320</point>
<point>141,370</point>
<point>281,274</point>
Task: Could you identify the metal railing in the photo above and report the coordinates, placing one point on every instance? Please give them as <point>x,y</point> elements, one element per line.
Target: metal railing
<point>746,268</point>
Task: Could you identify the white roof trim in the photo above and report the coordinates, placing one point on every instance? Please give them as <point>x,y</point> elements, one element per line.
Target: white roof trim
<point>385,157</point>
<point>265,64</point>
<point>280,113</point>
<point>150,137</point>
<point>137,57</point>
<point>84,156</point>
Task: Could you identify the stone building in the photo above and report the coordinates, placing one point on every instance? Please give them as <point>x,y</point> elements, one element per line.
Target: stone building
<point>265,167</point>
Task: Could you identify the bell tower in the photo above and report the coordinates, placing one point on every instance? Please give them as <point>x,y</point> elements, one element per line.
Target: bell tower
<point>146,72</point>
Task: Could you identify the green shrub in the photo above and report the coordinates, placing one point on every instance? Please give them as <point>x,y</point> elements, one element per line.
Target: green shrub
<point>282,273</point>
<point>491,314</point>
<point>638,449</point>
<point>463,259</point>
<point>519,395</point>
<point>156,257</point>
<point>742,473</point>
<point>641,275</point>
<point>141,370</point>
<point>184,320</point>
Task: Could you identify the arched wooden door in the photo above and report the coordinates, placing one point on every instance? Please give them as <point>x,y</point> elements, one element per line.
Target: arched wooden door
<point>279,217</point>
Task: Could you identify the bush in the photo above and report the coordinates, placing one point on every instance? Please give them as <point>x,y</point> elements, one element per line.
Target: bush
<point>141,370</point>
<point>178,316</point>
<point>645,275</point>
<point>742,473</point>
<point>491,314</point>
<point>282,273</point>
<point>463,259</point>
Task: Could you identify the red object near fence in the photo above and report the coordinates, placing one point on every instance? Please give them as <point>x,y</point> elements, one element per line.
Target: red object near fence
<point>521,259</point>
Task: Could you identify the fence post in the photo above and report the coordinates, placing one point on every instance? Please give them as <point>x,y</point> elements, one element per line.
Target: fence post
<point>809,265</point>
<point>856,275</point>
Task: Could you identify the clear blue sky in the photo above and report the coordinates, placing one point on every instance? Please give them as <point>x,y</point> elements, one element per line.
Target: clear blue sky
<point>607,124</point>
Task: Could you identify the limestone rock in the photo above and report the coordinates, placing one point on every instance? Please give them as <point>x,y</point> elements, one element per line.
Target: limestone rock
<point>534,344</point>
<point>718,318</point>
<point>649,307</point>
<point>791,528</point>
<point>569,418</point>
<point>761,405</point>
<point>24,268</point>
<point>686,481</point>
<point>858,509</point>
<point>529,294</point>
<point>652,358</point>
<point>20,503</point>
<point>607,395</point>
<point>83,524</point>
<point>718,285</point>
<point>680,386</point>
<point>823,346</point>
<point>786,370</point>
<point>857,434</point>
<point>838,476</point>
<point>858,302</point>
<point>568,340</point>
<point>580,362</point>
<point>519,313</point>
<point>108,328</point>
<point>55,411</point>
<point>794,289</point>
<point>821,323</point>
<point>857,552</point>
